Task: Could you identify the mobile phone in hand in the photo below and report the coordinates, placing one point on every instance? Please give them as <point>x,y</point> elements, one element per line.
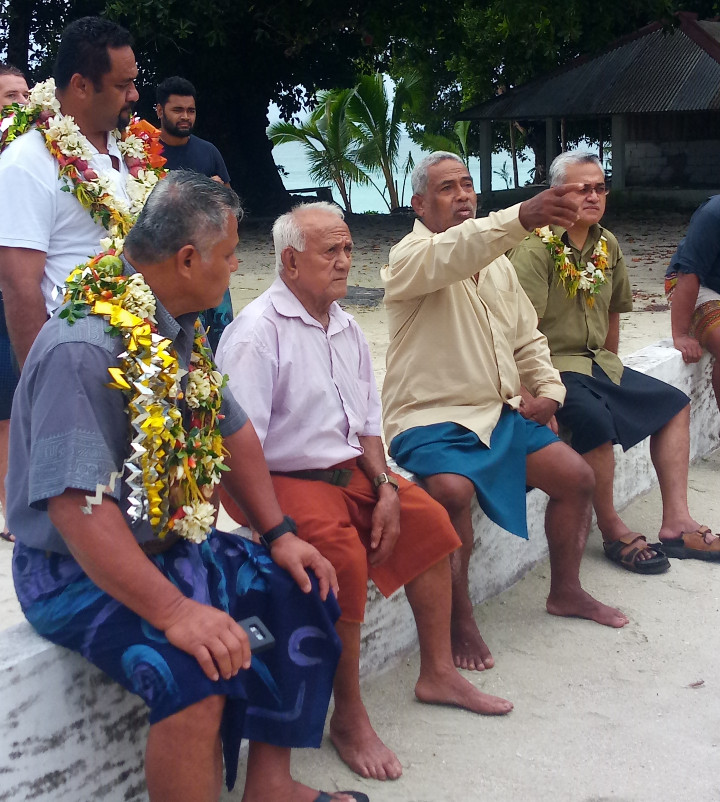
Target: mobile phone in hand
<point>260,637</point>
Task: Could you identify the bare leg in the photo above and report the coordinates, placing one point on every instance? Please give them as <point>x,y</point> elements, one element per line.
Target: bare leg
<point>712,344</point>
<point>670,453</point>
<point>612,527</point>
<point>352,733</point>
<point>562,473</point>
<point>183,757</point>
<point>268,778</point>
<point>440,683</point>
<point>4,438</point>
<point>456,493</point>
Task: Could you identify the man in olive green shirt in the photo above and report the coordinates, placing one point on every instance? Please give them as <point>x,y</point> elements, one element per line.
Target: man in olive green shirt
<point>463,342</point>
<point>578,283</point>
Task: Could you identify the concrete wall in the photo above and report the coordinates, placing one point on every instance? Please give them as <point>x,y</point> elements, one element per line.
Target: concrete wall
<point>68,733</point>
<point>672,164</point>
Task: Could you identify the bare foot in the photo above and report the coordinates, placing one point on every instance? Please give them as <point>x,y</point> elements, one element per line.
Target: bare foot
<point>671,530</point>
<point>579,604</point>
<point>451,688</point>
<point>360,747</point>
<point>469,650</point>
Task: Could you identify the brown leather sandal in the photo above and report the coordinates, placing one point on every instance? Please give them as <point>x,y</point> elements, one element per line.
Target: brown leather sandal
<point>701,544</point>
<point>629,561</point>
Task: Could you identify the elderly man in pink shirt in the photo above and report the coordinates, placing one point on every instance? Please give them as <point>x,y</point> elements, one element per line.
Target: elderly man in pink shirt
<point>301,368</point>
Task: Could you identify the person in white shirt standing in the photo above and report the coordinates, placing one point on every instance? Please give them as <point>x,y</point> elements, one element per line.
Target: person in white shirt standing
<point>44,230</point>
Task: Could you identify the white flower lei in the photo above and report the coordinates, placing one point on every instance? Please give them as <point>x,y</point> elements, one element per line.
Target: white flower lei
<point>73,151</point>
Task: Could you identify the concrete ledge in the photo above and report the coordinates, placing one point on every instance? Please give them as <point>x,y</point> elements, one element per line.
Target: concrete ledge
<point>69,733</point>
<point>500,559</point>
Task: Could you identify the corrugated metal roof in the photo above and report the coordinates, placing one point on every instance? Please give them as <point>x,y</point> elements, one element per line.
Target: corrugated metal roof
<point>652,71</point>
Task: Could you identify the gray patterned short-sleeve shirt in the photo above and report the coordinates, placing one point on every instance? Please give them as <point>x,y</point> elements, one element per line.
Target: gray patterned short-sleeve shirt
<point>70,430</point>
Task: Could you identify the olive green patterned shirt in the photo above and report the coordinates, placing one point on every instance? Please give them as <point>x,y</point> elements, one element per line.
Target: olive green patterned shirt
<point>576,332</point>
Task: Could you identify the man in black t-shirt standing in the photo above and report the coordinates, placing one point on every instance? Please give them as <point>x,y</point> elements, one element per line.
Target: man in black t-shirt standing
<point>177,112</point>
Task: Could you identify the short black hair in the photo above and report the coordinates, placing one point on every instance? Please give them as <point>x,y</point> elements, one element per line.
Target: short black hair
<point>174,85</point>
<point>84,49</point>
<point>8,69</point>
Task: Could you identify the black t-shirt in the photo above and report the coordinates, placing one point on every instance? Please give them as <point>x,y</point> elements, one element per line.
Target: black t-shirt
<point>197,154</point>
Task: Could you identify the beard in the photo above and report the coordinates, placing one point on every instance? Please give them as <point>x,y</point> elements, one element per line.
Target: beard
<point>124,118</point>
<point>173,130</point>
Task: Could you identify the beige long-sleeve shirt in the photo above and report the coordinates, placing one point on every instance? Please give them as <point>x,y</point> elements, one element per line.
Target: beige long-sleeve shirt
<point>460,350</point>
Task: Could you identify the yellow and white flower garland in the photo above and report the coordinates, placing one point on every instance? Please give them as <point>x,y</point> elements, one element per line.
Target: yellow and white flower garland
<point>587,279</point>
<point>172,470</point>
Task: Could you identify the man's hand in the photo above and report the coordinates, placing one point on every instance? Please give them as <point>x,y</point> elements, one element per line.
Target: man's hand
<point>541,410</point>
<point>385,524</point>
<point>689,347</point>
<point>296,557</point>
<point>556,206</point>
<point>217,178</point>
<point>211,636</point>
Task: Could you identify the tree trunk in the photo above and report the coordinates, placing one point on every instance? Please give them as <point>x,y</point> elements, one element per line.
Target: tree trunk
<point>536,141</point>
<point>237,127</point>
<point>19,15</point>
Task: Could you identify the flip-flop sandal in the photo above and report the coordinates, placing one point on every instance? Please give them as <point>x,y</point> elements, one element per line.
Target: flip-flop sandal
<point>630,562</point>
<point>356,795</point>
<point>698,545</point>
<point>8,537</point>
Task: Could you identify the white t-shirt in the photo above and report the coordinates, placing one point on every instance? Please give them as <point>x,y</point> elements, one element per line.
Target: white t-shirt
<point>36,213</point>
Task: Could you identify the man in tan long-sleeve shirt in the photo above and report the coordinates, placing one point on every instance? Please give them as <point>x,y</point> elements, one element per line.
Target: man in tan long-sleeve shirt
<point>463,344</point>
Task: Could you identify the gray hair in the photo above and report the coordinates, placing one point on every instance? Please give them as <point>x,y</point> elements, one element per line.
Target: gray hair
<point>558,168</point>
<point>419,177</point>
<point>288,233</point>
<point>184,208</point>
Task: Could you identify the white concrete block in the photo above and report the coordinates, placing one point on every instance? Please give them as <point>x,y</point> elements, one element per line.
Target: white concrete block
<point>69,733</point>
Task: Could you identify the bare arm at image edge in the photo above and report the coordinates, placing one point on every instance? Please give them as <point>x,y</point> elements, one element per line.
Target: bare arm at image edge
<point>21,271</point>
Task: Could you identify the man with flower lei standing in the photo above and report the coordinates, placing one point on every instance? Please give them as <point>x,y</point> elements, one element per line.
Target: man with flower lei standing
<point>68,176</point>
<point>578,282</point>
<point>121,429</point>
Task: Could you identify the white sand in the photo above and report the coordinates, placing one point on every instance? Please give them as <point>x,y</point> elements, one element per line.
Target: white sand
<point>600,714</point>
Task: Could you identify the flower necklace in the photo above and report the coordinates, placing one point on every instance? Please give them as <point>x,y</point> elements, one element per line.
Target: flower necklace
<point>588,279</point>
<point>172,470</point>
<point>139,145</point>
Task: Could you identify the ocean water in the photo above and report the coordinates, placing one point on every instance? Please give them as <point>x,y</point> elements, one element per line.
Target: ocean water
<point>366,198</point>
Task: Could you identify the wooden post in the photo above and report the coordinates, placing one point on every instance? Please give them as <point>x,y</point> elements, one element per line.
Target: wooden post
<point>551,135</point>
<point>619,128</point>
<point>485,160</point>
<point>513,153</point>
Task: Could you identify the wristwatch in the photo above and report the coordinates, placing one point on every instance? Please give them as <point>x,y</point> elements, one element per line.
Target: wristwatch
<point>286,525</point>
<point>384,478</point>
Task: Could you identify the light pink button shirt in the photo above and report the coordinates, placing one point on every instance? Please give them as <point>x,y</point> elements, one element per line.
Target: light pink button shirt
<point>309,393</point>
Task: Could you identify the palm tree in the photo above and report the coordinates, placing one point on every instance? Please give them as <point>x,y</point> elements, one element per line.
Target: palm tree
<point>377,124</point>
<point>456,143</point>
<point>329,143</point>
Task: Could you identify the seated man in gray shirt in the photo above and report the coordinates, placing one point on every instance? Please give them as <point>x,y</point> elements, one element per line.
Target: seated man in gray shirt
<point>119,432</point>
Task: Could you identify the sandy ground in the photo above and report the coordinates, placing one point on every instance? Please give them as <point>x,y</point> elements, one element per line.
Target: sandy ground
<point>600,714</point>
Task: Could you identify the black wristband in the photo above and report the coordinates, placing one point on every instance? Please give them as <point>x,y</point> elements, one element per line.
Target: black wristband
<point>286,525</point>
